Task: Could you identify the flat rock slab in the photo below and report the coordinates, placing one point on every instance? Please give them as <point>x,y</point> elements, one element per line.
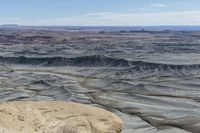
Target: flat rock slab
<point>56,117</point>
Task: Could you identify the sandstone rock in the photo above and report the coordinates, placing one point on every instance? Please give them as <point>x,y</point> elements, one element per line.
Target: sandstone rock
<point>56,117</point>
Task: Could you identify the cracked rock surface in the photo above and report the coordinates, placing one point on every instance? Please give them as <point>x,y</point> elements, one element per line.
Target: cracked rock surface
<point>56,117</point>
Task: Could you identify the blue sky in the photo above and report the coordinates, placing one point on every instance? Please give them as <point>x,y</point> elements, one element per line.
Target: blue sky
<point>100,12</point>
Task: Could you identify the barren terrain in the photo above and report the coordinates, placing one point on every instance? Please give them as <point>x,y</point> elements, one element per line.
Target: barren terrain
<point>150,79</point>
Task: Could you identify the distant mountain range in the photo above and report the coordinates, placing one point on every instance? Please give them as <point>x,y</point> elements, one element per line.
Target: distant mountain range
<point>104,28</point>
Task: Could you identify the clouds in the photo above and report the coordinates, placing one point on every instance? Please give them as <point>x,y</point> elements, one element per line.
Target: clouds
<point>157,5</point>
<point>115,19</point>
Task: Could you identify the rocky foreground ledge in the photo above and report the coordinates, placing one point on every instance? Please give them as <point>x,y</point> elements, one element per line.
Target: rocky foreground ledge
<point>56,117</point>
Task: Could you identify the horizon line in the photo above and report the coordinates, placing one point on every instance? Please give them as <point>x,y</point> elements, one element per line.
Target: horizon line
<point>99,25</point>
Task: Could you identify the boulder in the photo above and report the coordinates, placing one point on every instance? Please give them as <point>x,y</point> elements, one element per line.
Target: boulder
<point>56,117</point>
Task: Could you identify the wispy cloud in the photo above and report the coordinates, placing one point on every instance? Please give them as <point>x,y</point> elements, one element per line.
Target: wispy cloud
<point>111,19</point>
<point>99,14</point>
<point>154,5</point>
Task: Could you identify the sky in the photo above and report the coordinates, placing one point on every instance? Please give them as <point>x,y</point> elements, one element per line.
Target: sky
<point>100,12</point>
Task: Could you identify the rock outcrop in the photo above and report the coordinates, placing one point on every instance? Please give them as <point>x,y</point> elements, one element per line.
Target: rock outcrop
<point>56,117</point>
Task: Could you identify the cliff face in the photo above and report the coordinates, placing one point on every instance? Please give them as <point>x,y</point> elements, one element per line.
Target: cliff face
<point>56,117</point>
